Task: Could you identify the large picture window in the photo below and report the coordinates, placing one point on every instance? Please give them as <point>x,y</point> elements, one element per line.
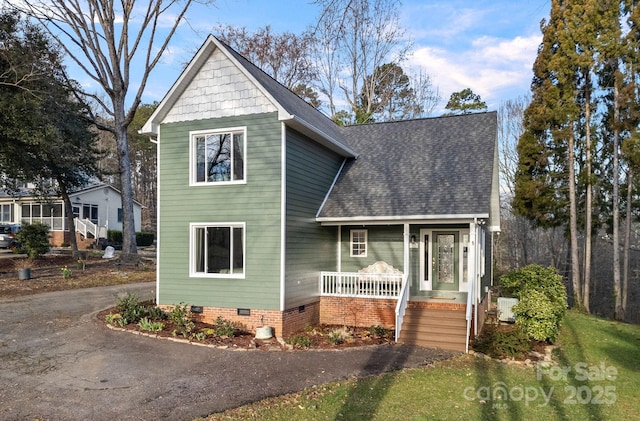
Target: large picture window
<point>218,250</point>
<point>218,156</point>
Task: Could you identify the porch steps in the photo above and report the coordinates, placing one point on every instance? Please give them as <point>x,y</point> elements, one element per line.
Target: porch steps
<point>434,328</point>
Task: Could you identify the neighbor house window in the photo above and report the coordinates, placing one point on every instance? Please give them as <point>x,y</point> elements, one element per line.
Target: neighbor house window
<point>218,156</point>
<point>359,243</point>
<point>6,213</point>
<point>218,250</point>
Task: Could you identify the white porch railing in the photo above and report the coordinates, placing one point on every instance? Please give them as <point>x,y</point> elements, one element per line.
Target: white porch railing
<point>364,285</point>
<point>469,313</point>
<point>401,307</point>
<point>85,227</point>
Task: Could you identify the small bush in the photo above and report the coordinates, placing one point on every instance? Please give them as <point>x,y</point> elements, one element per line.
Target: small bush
<point>501,342</point>
<point>300,341</point>
<point>542,300</point>
<point>339,336</point>
<point>144,239</point>
<point>130,308</point>
<point>156,313</point>
<point>114,237</point>
<point>180,315</point>
<point>224,328</point>
<point>378,331</point>
<point>33,239</point>
<point>151,326</point>
<point>115,319</point>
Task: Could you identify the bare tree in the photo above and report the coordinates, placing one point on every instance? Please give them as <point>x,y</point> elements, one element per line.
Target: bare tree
<point>285,56</point>
<point>105,39</point>
<point>510,128</point>
<point>356,37</point>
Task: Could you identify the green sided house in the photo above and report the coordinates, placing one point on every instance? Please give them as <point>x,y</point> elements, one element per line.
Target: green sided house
<point>272,215</point>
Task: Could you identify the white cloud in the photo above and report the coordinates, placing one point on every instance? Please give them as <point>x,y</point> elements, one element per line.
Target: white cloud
<point>496,69</point>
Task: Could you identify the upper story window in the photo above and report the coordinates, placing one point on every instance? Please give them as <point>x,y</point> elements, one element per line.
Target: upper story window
<point>218,156</point>
<point>358,243</point>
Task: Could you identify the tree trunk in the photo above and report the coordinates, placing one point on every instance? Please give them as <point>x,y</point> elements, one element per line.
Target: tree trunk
<point>573,223</point>
<point>68,212</point>
<point>627,241</point>
<point>129,248</point>
<point>618,309</point>
<point>588,199</point>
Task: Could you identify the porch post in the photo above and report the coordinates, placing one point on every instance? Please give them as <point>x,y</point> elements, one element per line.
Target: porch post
<point>339,251</point>
<point>406,249</point>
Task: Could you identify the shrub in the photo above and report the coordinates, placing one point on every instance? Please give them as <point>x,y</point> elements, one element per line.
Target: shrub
<point>180,315</point>
<point>151,326</point>
<point>130,308</point>
<point>115,319</point>
<point>224,328</point>
<point>33,239</point>
<point>502,341</point>
<point>144,239</point>
<point>114,237</point>
<point>542,300</point>
<point>339,336</point>
<point>156,313</point>
<point>378,331</point>
<point>300,341</point>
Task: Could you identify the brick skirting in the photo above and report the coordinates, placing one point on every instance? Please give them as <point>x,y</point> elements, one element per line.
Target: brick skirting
<point>360,312</point>
<point>284,323</point>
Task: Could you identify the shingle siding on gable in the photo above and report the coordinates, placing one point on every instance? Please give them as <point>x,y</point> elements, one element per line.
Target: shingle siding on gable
<point>310,248</point>
<point>257,203</point>
<point>219,90</point>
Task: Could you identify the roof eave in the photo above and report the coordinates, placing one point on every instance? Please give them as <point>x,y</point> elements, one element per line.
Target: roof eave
<point>395,219</point>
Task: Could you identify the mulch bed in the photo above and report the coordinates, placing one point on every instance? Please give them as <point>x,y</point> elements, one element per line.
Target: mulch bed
<point>242,339</point>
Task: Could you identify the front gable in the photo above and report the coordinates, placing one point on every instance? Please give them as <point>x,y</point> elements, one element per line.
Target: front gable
<point>218,89</point>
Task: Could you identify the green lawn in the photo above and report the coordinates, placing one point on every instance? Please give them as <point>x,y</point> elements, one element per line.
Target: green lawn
<point>597,378</point>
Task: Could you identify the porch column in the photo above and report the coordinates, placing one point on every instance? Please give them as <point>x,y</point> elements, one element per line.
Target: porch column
<point>406,249</point>
<point>339,251</point>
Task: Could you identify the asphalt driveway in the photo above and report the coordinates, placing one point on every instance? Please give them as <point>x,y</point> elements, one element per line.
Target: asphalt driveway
<point>58,362</point>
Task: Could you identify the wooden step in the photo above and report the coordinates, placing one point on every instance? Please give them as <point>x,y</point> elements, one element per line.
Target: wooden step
<point>436,328</point>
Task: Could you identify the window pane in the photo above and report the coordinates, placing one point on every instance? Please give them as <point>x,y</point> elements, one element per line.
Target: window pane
<point>35,211</point>
<point>219,157</point>
<point>200,159</point>
<point>200,250</point>
<point>218,249</point>
<point>238,159</point>
<point>238,251</point>
<point>26,211</point>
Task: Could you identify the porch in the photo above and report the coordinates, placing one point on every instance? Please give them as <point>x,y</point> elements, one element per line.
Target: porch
<point>431,318</point>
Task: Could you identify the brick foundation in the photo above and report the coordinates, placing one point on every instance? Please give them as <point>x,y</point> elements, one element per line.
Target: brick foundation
<point>284,323</point>
<point>360,312</point>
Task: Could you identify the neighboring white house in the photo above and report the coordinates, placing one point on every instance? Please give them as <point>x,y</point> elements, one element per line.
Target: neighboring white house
<point>97,209</point>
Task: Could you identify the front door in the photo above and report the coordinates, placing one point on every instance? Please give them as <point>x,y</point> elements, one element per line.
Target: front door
<point>439,260</point>
<point>445,260</point>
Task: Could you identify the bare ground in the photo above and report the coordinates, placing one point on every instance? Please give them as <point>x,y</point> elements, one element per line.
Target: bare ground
<point>47,274</point>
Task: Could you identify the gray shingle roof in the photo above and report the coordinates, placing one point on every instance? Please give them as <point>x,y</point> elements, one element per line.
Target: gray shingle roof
<point>436,166</point>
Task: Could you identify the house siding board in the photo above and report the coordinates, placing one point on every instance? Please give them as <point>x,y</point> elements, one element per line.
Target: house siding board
<point>256,203</point>
<point>311,170</point>
<point>384,243</point>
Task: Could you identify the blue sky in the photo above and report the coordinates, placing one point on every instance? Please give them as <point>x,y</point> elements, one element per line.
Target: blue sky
<point>486,45</point>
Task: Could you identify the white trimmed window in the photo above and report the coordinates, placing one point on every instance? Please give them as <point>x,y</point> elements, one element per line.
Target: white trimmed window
<point>218,156</point>
<point>358,243</point>
<point>217,250</point>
